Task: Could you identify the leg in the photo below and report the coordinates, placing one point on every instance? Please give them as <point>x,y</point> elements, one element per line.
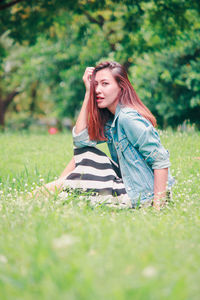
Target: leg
<point>53,186</point>
<point>57,185</point>
<point>69,168</point>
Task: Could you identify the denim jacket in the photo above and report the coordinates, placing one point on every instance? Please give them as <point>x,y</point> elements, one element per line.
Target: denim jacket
<point>135,145</point>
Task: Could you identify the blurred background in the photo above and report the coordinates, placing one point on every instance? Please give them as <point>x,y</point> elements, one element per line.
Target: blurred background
<point>45,47</point>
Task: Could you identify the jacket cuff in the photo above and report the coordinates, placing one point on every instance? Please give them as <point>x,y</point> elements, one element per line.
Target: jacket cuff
<point>83,135</point>
<point>160,159</point>
<point>161,164</point>
<point>82,139</point>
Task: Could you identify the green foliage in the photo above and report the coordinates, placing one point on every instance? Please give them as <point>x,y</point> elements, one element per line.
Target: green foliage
<point>156,41</point>
<point>169,80</point>
<point>27,19</point>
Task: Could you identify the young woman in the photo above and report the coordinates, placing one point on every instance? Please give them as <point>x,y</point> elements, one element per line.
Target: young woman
<point>112,112</point>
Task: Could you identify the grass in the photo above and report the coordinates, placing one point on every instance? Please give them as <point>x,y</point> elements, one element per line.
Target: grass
<point>56,249</point>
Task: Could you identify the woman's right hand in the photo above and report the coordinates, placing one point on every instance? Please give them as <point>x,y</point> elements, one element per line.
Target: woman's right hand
<point>81,122</point>
<point>87,77</point>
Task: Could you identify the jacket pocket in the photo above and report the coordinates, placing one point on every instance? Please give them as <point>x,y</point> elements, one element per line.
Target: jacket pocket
<point>122,145</point>
<point>127,150</point>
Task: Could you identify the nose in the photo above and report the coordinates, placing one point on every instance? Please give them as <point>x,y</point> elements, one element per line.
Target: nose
<point>97,89</point>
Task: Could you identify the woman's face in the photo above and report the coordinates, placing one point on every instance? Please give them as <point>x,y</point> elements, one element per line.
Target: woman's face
<point>107,90</point>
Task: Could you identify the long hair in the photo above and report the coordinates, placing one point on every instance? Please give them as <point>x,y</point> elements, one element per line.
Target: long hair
<point>97,117</point>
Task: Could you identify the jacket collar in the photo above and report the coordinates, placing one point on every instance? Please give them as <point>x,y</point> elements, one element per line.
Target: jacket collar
<point>117,111</point>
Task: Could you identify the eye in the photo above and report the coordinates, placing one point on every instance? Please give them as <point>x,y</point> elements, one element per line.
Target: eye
<point>105,83</point>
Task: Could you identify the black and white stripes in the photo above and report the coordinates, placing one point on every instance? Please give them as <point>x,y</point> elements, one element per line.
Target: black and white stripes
<point>95,172</point>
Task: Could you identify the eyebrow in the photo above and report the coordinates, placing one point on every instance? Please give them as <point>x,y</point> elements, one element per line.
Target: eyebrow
<point>104,79</point>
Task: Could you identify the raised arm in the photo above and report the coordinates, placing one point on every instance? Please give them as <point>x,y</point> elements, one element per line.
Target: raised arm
<point>81,122</point>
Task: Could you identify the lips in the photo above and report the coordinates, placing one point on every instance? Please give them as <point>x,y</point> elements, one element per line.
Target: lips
<point>99,99</point>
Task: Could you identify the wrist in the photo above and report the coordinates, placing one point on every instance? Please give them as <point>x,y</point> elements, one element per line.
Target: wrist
<point>159,199</point>
<point>87,96</point>
<point>87,91</point>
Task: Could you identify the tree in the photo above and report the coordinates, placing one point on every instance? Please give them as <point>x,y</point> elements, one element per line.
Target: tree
<point>61,38</point>
<point>169,80</point>
<point>4,103</point>
<point>6,95</point>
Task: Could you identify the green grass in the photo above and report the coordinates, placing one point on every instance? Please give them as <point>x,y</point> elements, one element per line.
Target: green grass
<point>56,249</point>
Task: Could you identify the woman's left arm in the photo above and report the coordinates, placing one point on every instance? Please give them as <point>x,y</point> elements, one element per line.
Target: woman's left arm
<point>146,140</point>
<point>160,185</point>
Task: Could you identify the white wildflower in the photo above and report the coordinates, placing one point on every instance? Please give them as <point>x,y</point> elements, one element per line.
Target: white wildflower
<point>63,241</point>
<point>14,180</point>
<point>3,259</point>
<point>149,271</point>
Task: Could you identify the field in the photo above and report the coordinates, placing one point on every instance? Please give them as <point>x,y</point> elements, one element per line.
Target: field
<point>66,249</point>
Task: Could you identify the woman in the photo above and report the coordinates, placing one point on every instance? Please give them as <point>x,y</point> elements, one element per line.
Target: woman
<point>112,112</point>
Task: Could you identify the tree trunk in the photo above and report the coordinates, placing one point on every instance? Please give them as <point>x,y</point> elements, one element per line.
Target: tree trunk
<point>4,104</point>
<point>2,114</point>
<point>34,88</point>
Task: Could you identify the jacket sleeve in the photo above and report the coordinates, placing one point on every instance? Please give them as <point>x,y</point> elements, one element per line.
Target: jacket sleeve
<point>143,136</point>
<point>82,139</point>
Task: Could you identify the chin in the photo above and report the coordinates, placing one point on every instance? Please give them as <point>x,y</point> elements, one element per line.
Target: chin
<point>100,105</point>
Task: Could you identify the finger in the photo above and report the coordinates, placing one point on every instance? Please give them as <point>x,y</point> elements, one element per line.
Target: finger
<point>89,70</point>
<point>88,73</point>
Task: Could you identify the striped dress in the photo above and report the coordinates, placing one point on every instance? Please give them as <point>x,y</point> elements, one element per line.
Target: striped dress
<point>95,172</point>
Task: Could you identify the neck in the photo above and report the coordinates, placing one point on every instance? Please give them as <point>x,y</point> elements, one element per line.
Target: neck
<point>112,108</point>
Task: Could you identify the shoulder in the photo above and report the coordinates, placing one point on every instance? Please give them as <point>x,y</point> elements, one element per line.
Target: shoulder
<point>129,114</point>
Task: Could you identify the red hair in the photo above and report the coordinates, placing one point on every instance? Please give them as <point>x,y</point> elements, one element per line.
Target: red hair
<point>97,117</point>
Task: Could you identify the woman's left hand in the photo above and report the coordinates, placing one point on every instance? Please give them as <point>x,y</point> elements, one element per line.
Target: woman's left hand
<point>156,204</point>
